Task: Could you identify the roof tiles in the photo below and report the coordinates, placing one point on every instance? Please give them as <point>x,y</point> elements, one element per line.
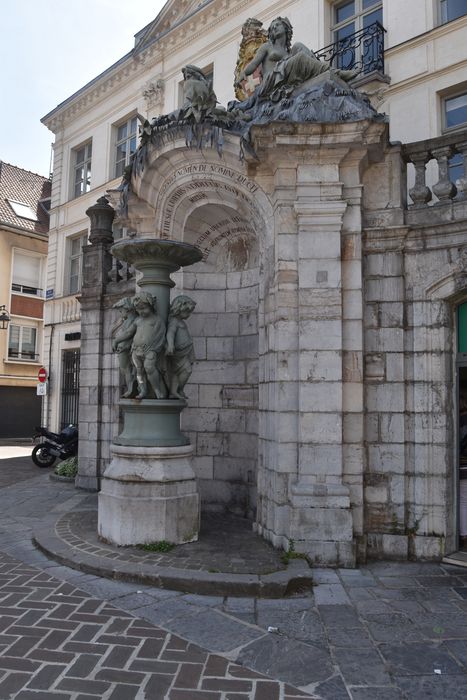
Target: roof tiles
<point>28,188</point>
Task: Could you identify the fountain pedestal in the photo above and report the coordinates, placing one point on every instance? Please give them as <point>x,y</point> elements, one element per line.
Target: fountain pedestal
<point>149,494</point>
<point>149,491</point>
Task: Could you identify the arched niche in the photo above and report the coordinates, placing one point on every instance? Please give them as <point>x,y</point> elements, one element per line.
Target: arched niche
<point>201,198</point>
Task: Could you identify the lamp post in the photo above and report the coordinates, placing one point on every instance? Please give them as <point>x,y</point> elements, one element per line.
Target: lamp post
<point>4,317</point>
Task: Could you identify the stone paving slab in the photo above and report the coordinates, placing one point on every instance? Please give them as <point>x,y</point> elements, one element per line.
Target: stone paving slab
<point>57,641</point>
<point>248,566</point>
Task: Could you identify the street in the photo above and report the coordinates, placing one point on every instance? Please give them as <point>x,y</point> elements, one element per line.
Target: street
<point>383,632</point>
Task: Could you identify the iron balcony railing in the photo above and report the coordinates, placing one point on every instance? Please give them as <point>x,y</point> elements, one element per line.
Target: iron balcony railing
<point>363,50</point>
<point>24,355</point>
<point>26,289</point>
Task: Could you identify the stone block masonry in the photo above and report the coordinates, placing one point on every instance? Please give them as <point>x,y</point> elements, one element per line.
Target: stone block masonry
<point>322,400</point>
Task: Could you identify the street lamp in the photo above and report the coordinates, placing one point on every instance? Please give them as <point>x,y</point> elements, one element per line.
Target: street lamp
<point>4,317</point>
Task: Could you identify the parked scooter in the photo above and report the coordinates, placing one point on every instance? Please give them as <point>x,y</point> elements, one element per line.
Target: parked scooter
<point>62,445</point>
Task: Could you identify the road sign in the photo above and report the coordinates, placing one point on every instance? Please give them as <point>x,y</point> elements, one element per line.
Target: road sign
<point>42,375</point>
<point>41,390</point>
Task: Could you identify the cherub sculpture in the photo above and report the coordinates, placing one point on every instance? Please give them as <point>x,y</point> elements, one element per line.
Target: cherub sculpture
<point>140,344</point>
<point>179,346</point>
<point>148,345</point>
<point>123,333</point>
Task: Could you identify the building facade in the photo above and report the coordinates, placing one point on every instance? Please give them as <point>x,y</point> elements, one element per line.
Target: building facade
<point>395,368</point>
<point>24,224</point>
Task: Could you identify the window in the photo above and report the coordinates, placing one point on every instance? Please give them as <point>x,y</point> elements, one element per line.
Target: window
<point>27,274</point>
<point>75,262</point>
<point>22,343</point>
<point>126,135</point>
<point>354,16</point>
<point>455,111</point>
<point>82,169</point>
<point>22,210</point>
<point>455,117</point>
<point>452,9</point>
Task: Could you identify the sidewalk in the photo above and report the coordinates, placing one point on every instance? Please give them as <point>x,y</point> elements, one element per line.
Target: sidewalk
<point>384,632</point>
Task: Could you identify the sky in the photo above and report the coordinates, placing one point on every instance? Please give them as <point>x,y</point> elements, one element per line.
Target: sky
<point>48,50</point>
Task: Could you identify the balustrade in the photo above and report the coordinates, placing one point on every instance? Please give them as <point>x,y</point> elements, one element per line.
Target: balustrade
<point>362,51</point>
<point>121,271</point>
<point>440,150</point>
<point>70,310</point>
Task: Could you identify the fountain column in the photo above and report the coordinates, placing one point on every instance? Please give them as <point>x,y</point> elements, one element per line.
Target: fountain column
<point>149,491</point>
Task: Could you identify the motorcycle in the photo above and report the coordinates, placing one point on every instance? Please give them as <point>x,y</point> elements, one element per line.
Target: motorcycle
<point>62,445</point>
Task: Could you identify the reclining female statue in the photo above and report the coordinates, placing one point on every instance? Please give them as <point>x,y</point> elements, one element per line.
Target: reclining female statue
<point>285,66</point>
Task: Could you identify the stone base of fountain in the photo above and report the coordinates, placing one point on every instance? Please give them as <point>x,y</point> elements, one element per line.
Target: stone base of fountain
<point>149,494</point>
<point>151,423</point>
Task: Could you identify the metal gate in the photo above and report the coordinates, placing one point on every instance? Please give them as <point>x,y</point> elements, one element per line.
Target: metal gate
<point>70,388</point>
<point>20,411</point>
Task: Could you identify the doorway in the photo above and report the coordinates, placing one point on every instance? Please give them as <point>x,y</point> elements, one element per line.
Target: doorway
<point>70,388</point>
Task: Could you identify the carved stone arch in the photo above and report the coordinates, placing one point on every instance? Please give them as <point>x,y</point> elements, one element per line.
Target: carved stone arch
<point>451,288</point>
<point>174,174</point>
<point>207,199</point>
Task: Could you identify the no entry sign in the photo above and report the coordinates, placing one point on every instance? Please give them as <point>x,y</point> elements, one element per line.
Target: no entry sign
<point>42,375</point>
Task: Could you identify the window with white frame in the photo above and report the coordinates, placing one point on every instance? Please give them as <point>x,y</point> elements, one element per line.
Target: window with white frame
<point>126,141</point>
<point>82,157</point>
<point>455,117</point>
<point>26,274</point>
<point>452,9</point>
<point>455,111</point>
<point>75,263</point>
<point>22,343</point>
<point>351,16</point>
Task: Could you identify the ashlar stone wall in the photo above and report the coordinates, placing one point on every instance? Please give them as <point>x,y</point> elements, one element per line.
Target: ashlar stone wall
<point>414,279</point>
<point>322,401</point>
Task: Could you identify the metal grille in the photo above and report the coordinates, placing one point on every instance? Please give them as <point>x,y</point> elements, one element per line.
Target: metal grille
<point>363,51</point>
<point>70,388</point>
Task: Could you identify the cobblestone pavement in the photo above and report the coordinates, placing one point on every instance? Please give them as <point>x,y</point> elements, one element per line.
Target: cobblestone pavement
<point>387,631</point>
<point>247,553</point>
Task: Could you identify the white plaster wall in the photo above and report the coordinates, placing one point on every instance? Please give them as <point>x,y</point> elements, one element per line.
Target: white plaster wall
<point>404,20</point>
<point>422,71</point>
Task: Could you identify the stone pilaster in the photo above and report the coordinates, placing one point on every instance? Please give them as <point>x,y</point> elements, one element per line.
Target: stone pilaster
<point>311,478</point>
<point>94,395</point>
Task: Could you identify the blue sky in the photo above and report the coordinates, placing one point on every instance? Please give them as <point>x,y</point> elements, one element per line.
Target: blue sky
<point>48,50</point>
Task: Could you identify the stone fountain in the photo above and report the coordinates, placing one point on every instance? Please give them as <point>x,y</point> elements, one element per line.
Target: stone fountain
<point>149,491</point>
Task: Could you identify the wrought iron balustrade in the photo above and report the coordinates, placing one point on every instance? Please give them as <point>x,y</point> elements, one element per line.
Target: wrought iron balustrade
<point>22,355</point>
<point>26,289</point>
<point>362,51</point>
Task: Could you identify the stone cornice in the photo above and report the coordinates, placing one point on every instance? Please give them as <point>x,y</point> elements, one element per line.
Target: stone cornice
<point>136,63</point>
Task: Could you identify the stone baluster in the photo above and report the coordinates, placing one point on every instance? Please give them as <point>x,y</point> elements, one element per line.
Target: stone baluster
<point>420,193</point>
<point>462,148</point>
<point>444,189</point>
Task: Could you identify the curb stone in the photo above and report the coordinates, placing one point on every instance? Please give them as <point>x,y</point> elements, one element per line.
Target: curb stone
<point>294,579</point>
